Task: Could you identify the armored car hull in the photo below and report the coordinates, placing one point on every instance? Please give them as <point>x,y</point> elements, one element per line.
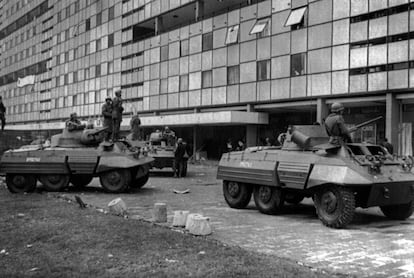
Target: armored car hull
<point>338,178</point>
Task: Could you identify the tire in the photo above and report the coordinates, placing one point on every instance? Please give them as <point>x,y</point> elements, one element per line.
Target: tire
<point>54,182</point>
<point>335,206</point>
<point>398,212</point>
<point>80,181</point>
<point>140,182</point>
<point>268,199</point>
<point>20,183</point>
<point>293,198</point>
<point>236,194</point>
<point>116,181</point>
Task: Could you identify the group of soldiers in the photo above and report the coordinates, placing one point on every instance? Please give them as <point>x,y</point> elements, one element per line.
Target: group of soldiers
<point>112,116</point>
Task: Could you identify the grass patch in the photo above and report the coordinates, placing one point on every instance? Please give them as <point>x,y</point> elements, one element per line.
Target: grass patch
<point>49,237</point>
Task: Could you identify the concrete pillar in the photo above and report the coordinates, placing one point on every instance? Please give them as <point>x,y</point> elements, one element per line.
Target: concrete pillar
<point>251,135</point>
<point>322,110</point>
<point>195,129</point>
<point>199,10</point>
<point>159,26</point>
<point>392,120</point>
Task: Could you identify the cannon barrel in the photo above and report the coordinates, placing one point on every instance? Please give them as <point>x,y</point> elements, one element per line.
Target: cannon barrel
<point>358,126</point>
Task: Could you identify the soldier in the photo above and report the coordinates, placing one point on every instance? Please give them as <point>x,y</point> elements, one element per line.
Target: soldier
<point>2,114</point>
<point>117,110</point>
<point>388,146</point>
<point>73,123</point>
<point>179,153</point>
<point>135,124</point>
<point>107,115</point>
<point>335,125</point>
<point>169,135</point>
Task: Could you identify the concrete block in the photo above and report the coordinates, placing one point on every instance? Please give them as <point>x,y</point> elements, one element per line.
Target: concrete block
<point>117,207</point>
<point>159,213</point>
<point>180,218</point>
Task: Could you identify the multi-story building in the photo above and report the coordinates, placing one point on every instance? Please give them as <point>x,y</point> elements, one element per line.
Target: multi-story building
<point>212,69</point>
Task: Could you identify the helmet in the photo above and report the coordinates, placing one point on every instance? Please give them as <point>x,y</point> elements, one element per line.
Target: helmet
<point>337,107</point>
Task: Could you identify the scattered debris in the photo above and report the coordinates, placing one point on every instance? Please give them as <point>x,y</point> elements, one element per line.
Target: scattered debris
<point>181,191</point>
<point>159,213</point>
<point>29,245</point>
<point>20,215</point>
<point>34,269</point>
<point>117,207</point>
<point>3,252</point>
<point>78,199</point>
<point>110,256</point>
<point>202,252</point>
<point>171,261</point>
<point>180,218</point>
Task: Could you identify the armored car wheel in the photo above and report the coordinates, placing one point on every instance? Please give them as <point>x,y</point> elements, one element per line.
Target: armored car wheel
<point>80,180</point>
<point>116,181</point>
<point>140,182</point>
<point>236,194</point>
<point>54,182</point>
<point>268,199</point>
<point>398,212</point>
<point>335,206</point>
<point>20,183</point>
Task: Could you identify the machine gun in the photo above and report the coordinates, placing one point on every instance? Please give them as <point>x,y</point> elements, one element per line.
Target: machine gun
<point>358,126</point>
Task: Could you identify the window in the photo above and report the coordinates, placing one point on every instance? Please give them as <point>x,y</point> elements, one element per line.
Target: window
<point>86,73</point>
<point>98,44</point>
<point>75,76</point>
<point>88,24</point>
<point>75,53</point>
<point>296,19</point>
<point>67,11</point>
<point>66,79</point>
<point>98,19</point>
<point>98,70</point>
<point>184,82</point>
<point>67,56</point>
<point>77,6</point>
<point>67,34</point>
<point>298,64</point>
<point>233,75</point>
<point>232,34</point>
<point>208,41</point>
<point>58,60</point>
<point>261,27</point>
<point>87,49</point>
<point>263,70</point>
<point>111,13</point>
<point>164,53</point>
<point>206,79</point>
<point>111,40</point>
<point>75,100</point>
<point>110,67</point>
<point>184,48</point>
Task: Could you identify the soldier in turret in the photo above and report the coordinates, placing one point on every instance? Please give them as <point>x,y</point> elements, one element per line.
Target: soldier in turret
<point>117,110</point>
<point>107,115</point>
<point>73,123</point>
<point>335,125</point>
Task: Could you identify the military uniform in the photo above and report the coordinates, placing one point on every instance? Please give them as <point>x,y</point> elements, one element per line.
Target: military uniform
<point>336,129</point>
<point>74,124</point>
<point>117,110</point>
<point>107,121</point>
<point>135,127</point>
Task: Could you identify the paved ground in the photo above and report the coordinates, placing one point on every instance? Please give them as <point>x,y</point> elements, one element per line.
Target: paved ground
<point>371,246</point>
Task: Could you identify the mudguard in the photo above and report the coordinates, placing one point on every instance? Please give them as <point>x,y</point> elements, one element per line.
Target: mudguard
<point>332,174</point>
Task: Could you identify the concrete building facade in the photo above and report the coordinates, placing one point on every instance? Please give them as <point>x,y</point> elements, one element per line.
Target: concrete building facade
<point>212,69</point>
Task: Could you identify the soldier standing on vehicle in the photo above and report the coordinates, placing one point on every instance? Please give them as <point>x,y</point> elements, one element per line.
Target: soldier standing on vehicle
<point>73,123</point>
<point>335,125</point>
<point>169,135</point>
<point>135,124</point>
<point>388,146</point>
<point>179,158</point>
<point>2,114</point>
<point>107,117</point>
<point>117,110</point>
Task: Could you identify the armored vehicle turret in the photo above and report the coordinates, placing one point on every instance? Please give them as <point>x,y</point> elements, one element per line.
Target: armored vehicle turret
<point>76,157</point>
<point>339,178</point>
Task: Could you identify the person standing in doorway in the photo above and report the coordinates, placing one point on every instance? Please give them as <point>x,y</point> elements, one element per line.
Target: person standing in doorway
<point>135,124</point>
<point>117,110</point>
<point>107,117</point>
<point>2,114</point>
<point>179,158</point>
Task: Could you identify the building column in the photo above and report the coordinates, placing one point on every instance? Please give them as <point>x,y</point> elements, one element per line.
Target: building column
<point>199,10</point>
<point>322,110</point>
<point>251,135</point>
<point>159,26</point>
<point>392,121</point>
<point>195,129</point>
